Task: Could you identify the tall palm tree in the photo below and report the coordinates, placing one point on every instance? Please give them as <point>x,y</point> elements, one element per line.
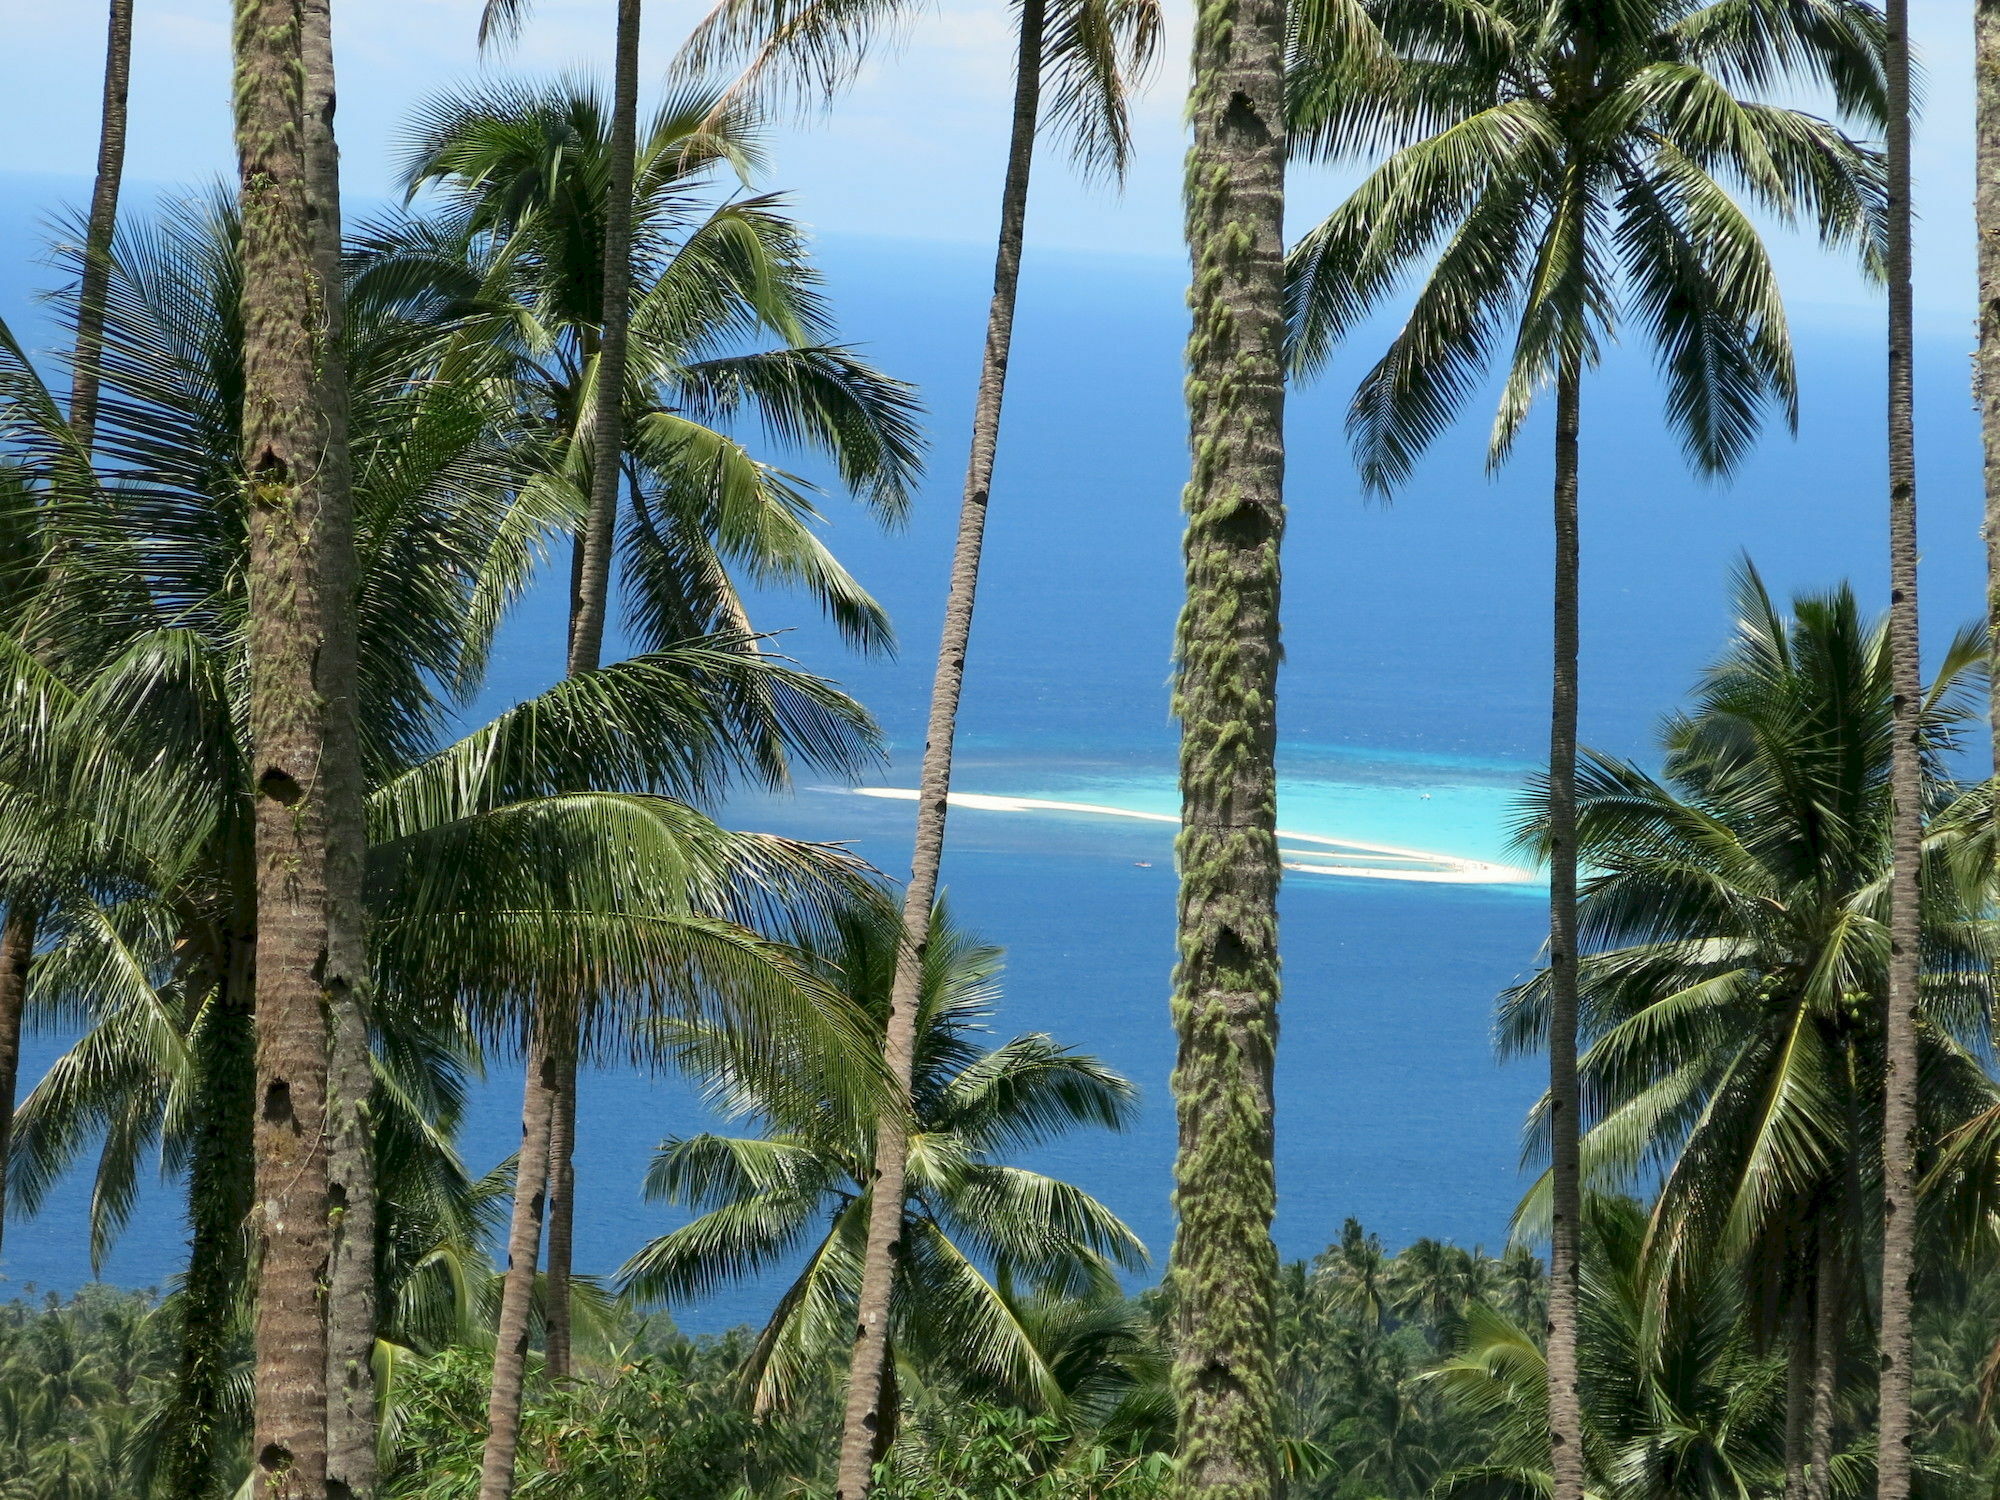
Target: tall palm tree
<point>1986,369</point>
<point>519,173</point>
<point>1223,1270</point>
<point>553,1058</point>
<point>18,927</point>
<point>1088,53</point>
<point>351,1311</point>
<point>305,774</point>
<point>804,1184</point>
<point>1896,1348</point>
<point>1561,168</point>
<point>1737,931</point>
<point>1678,1401</point>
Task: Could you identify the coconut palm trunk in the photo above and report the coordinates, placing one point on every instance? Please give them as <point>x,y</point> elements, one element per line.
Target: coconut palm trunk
<point>351,1290</point>
<point>219,1190</point>
<point>18,929</point>
<point>1223,1269</point>
<point>1565,1134</point>
<point>17,951</point>
<point>1986,379</point>
<point>1899,1102</point>
<point>865,1421</point>
<point>524,1237</point>
<point>103,223</point>
<point>305,780</point>
<point>1826,1366</point>
<point>554,1055</point>
<point>1798,1400</point>
<point>561,1189</point>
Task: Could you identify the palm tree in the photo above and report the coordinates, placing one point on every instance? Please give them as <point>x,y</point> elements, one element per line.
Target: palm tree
<point>1358,1271</point>
<point>1737,927</point>
<point>1434,1281</point>
<point>519,171</point>
<point>18,927</point>
<point>1677,1400</point>
<point>135,747</point>
<point>1087,53</point>
<point>1901,1106</point>
<point>102,221</point>
<point>1559,166</point>
<point>1986,368</point>
<point>305,772</point>
<point>351,1311</point>
<point>1223,1269</point>
<point>553,1058</point>
<point>806,1181</point>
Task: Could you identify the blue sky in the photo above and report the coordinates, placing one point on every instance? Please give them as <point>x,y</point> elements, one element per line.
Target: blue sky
<point>912,152</point>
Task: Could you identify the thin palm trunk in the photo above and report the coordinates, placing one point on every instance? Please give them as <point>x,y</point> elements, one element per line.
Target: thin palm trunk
<point>866,1423</point>
<point>1798,1398</point>
<point>517,1291</point>
<point>1565,1133</point>
<point>1826,1365</point>
<point>351,1292</point>
<point>103,223</point>
<point>19,929</point>
<point>218,1195</point>
<point>1986,371</point>
<point>1899,1043</point>
<point>1224,1268</point>
<point>307,809</point>
<point>17,952</point>
<point>607,417</point>
<point>562,1206</point>
<point>591,601</point>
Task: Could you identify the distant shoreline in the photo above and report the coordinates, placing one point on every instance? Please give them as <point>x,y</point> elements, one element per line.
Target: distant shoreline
<point>1393,861</point>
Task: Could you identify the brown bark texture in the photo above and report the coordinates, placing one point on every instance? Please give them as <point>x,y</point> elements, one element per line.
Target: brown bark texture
<point>1565,1127</point>
<point>305,784</point>
<point>351,1290</point>
<point>865,1422</point>
<point>1223,1269</point>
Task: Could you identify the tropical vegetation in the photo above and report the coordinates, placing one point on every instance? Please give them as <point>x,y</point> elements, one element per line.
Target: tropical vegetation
<point>287,867</point>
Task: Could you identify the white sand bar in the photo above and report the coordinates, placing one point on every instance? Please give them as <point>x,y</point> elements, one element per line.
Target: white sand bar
<point>1346,857</point>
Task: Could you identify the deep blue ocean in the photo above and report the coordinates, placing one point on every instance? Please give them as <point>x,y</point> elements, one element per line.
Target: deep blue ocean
<point>1413,707</point>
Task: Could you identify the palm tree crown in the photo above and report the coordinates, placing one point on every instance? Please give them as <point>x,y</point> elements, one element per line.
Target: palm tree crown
<point>804,1183</point>
<point>1563,169</point>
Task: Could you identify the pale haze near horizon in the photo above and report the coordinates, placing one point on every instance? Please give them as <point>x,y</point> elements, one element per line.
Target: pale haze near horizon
<point>912,151</point>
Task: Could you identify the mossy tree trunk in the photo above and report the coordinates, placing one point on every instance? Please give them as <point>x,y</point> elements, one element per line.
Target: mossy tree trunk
<point>304,777</point>
<point>868,1418</point>
<point>1223,1270</point>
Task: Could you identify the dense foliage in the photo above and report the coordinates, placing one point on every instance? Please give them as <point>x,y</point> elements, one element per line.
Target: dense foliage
<point>1405,1374</point>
